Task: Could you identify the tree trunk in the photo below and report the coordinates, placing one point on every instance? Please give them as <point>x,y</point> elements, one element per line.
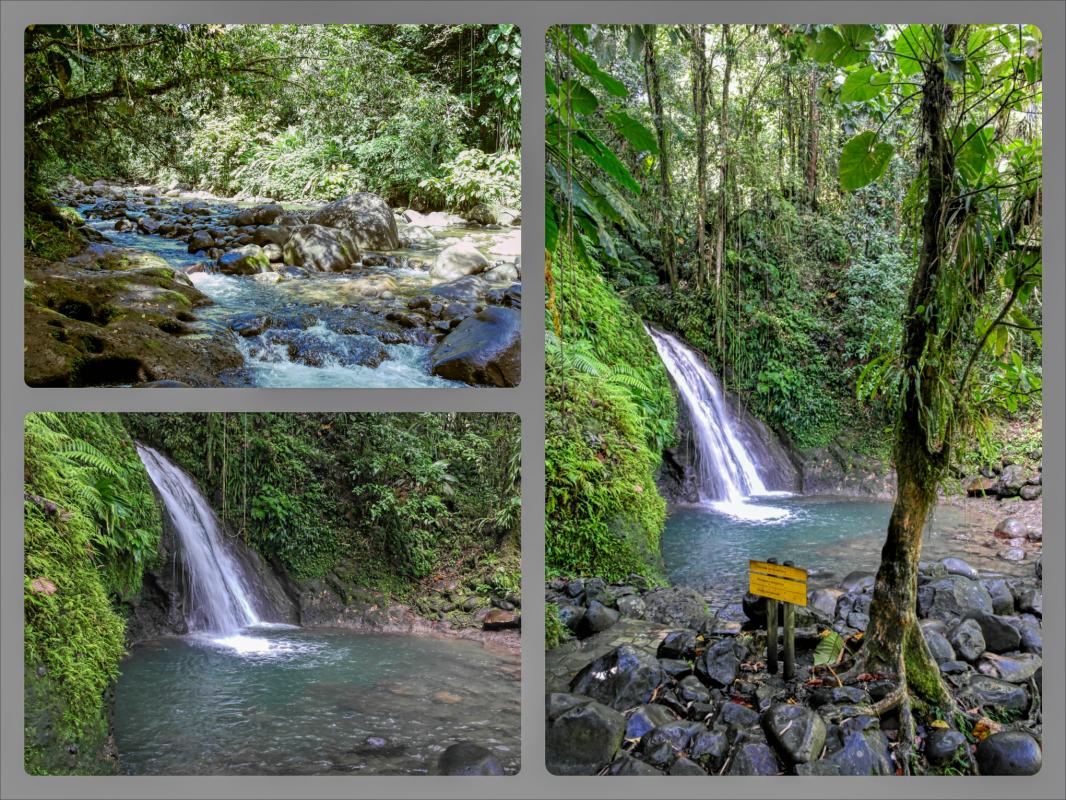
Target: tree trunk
<point>723,159</point>
<point>699,101</point>
<point>894,642</point>
<point>812,142</point>
<point>655,102</point>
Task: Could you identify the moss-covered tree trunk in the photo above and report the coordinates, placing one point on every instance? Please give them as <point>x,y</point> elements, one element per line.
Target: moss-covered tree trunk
<point>894,642</point>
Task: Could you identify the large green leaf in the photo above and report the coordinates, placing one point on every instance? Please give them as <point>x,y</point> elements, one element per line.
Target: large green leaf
<point>588,65</point>
<point>864,84</point>
<point>863,160</point>
<point>913,47</point>
<point>633,131</point>
<point>828,651</point>
<point>826,46</point>
<point>605,159</point>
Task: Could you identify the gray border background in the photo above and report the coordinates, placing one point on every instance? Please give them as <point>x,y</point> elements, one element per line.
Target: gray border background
<point>534,18</point>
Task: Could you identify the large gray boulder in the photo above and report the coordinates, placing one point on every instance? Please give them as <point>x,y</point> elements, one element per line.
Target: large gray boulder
<point>623,678</point>
<point>247,260</point>
<point>485,349</point>
<point>457,261</point>
<point>583,735</point>
<point>319,248</point>
<point>366,218</point>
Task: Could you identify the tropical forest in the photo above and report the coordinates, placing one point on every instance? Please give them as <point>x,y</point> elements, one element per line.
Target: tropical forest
<point>271,593</point>
<point>793,314</point>
<point>272,205</point>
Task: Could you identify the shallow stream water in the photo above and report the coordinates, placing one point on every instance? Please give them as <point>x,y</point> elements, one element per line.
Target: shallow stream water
<point>331,301</point>
<point>708,550</point>
<point>288,701</point>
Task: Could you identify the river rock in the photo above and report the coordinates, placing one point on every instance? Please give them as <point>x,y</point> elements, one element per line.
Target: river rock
<point>504,273</point>
<point>631,606</point>
<point>247,260</point>
<point>678,644</point>
<point>858,581</point>
<point>685,766</point>
<point>628,766</point>
<point>267,214</point>
<point>271,234</point>
<point>1009,753</point>
<point>986,691</point>
<point>646,717</point>
<point>753,758</point>
<point>1011,480</point>
<point>598,617</point>
<point>200,240</point>
<point>968,641</point>
<point>498,619</point>
<point>319,248</point>
<point>1030,492</point>
<point>466,758</point>
<point>457,261</point>
<point>861,753</point>
<point>582,735</point>
<point>621,679</point>
<point>956,566</point>
<point>939,647</point>
<point>1000,633</point>
<point>274,253</point>
<point>719,664</point>
<point>675,605</point>
<point>1012,554</point>
<point>824,601</point>
<point>483,349</point>
<point>1011,528</point>
<point>1017,668</point>
<point>571,615</point>
<point>796,731</point>
<point>416,236</point>
<point>365,217</point>
<point>952,598</point>
<point>942,745</point>
<point>482,214</point>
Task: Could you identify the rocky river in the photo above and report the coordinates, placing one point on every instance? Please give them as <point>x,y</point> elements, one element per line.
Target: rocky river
<point>186,289</point>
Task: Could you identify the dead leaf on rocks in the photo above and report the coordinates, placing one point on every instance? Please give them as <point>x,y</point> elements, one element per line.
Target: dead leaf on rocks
<point>985,728</point>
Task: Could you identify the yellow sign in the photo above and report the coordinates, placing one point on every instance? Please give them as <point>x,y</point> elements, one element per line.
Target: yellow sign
<point>778,582</point>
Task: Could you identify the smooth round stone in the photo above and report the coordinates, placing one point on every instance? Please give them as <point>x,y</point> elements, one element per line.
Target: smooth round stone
<point>1009,753</point>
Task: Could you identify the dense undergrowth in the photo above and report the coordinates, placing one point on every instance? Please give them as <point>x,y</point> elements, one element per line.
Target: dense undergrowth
<point>387,502</point>
<point>91,527</point>
<point>610,411</point>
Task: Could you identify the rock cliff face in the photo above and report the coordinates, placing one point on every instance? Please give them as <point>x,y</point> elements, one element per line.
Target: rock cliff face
<point>159,608</point>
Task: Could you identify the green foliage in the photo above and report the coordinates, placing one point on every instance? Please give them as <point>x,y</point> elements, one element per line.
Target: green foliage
<point>555,633</point>
<point>610,411</point>
<point>91,527</point>
<point>287,111</point>
<point>473,177</point>
<point>386,499</point>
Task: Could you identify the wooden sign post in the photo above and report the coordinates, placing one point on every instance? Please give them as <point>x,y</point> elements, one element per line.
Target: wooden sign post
<point>786,584</point>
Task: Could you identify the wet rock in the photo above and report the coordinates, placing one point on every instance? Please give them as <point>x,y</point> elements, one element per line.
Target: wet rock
<point>796,731</point>
<point>939,646</point>
<point>719,664</point>
<point>457,261</point>
<point>1030,492</point>
<point>271,234</point>
<point>415,236</point>
<point>710,748</point>
<point>1002,597</point>
<point>466,758</point>
<point>1029,599</point>
<point>631,606</point>
<point>621,679</point>
<point>1011,528</point>
<point>736,717</point>
<point>861,753</point>
<point>967,640</point>
<point>1012,554</point>
<point>504,273</point>
<point>678,644</point>
<point>484,349</point>
<point>629,766</point>
<point>1009,753</point>
<point>499,619</point>
<point>685,766</point>
<point>858,581</point>
<point>274,253</point>
<point>980,487</point>
<point>675,605</point>
<point>1011,480</point>
<point>598,617</point>
<point>1000,634</point>
<point>942,745</point>
<point>322,249</point>
<point>250,324</point>
<point>365,217</point>
<point>582,735</point>
<point>824,601</point>
<point>482,214</point>
<point>753,758</point>
<point>646,717</point>
<point>1012,669</point>
<point>986,691</point>
<point>952,598</point>
<point>956,566</point>
<point>200,240</point>
<point>267,214</point>
<point>691,690</point>
<point>247,260</point>
<point>676,735</point>
<point>571,616</point>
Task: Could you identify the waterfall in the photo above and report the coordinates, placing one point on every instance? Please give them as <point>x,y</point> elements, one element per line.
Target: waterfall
<point>728,471</point>
<point>220,594</point>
